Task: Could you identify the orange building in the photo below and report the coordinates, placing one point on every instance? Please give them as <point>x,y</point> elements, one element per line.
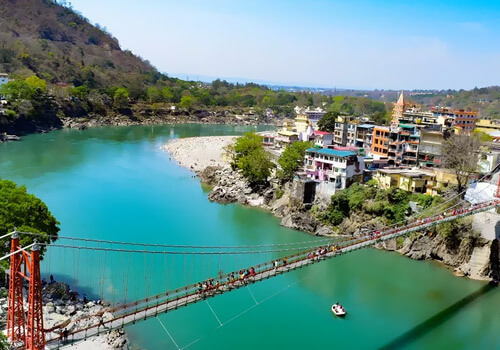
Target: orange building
<point>380,142</point>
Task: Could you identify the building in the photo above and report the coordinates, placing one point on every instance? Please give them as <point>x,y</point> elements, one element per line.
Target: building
<point>424,119</point>
<point>341,130</point>
<point>314,115</point>
<point>398,109</point>
<point>286,138</point>
<point>337,168</point>
<point>4,78</point>
<point>427,181</point>
<point>302,123</point>
<point>487,125</point>
<point>398,144</point>
<point>323,139</point>
<point>404,179</point>
<point>351,133</point>
<point>429,150</point>
<point>364,136</point>
<point>487,161</point>
<point>465,120</point>
<point>268,138</point>
<point>380,144</point>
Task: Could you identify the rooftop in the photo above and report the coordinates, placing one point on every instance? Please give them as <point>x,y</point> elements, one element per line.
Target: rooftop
<point>322,133</point>
<point>332,152</point>
<point>287,133</point>
<point>366,126</point>
<point>406,172</point>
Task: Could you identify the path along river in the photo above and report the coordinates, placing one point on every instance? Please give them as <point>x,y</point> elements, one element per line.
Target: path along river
<point>115,183</point>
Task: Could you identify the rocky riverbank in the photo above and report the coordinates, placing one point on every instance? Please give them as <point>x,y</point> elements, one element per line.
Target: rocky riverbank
<point>468,255</point>
<point>69,116</point>
<point>61,311</point>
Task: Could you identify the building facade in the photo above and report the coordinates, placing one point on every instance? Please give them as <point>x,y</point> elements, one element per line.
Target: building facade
<point>465,120</point>
<point>323,139</point>
<point>364,137</point>
<point>337,168</point>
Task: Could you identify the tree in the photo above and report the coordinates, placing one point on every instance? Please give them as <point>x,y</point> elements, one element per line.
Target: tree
<point>120,98</point>
<point>327,122</point>
<point>4,343</point>
<point>249,156</point>
<point>154,95</point>
<point>24,211</point>
<point>186,101</point>
<point>459,153</point>
<point>292,158</point>
<point>256,166</point>
<point>36,83</point>
<point>244,145</point>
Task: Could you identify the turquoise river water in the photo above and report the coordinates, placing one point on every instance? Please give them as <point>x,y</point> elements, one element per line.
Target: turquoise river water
<point>115,183</point>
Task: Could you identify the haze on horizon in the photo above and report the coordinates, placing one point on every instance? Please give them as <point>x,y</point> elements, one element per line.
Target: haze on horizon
<point>346,44</point>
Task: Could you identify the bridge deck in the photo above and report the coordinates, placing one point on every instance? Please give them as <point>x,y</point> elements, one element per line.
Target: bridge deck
<point>151,307</point>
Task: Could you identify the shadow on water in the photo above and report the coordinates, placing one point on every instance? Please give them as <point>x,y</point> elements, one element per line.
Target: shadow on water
<point>73,283</point>
<point>436,320</point>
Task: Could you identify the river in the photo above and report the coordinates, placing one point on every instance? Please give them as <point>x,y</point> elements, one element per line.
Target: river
<point>115,183</point>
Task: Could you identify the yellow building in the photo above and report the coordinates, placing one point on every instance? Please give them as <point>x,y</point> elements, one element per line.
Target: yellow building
<point>404,179</point>
<point>487,125</point>
<point>415,181</point>
<point>302,123</point>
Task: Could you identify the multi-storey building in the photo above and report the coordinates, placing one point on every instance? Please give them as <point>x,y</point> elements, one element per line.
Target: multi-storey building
<point>341,130</point>
<point>380,142</point>
<point>465,120</point>
<point>398,144</point>
<point>315,114</point>
<point>351,134</point>
<point>338,168</point>
<point>364,136</point>
<point>323,139</point>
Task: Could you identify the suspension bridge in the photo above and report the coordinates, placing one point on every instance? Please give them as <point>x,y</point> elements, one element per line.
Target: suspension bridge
<point>203,268</point>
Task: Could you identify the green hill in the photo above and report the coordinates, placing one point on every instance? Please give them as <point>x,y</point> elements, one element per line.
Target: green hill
<point>60,46</point>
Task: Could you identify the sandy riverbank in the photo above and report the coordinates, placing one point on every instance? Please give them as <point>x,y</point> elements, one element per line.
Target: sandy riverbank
<point>196,153</point>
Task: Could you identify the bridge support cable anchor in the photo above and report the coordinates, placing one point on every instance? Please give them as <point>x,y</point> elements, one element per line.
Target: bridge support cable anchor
<point>168,333</point>
<point>213,312</point>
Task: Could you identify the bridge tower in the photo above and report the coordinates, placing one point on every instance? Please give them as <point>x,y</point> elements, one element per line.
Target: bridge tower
<point>25,266</point>
<point>15,314</point>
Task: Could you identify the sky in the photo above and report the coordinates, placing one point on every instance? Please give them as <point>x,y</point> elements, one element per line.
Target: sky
<point>359,44</point>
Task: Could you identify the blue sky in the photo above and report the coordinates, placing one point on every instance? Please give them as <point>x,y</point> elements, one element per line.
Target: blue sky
<point>381,44</point>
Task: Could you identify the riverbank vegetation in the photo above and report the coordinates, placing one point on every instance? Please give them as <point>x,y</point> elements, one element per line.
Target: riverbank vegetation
<point>393,204</point>
<point>24,212</point>
<point>248,155</point>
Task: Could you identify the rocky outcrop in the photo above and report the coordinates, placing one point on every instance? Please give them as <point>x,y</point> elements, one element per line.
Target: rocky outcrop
<point>230,186</point>
<point>63,310</point>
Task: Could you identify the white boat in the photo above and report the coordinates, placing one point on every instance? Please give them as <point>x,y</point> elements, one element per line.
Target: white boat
<point>338,310</point>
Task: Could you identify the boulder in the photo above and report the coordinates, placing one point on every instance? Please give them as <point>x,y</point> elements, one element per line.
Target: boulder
<point>57,291</point>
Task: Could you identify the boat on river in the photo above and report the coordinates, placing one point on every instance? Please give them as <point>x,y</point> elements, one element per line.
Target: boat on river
<point>338,310</point>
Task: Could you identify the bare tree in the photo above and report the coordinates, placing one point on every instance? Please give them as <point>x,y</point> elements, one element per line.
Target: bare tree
<point>460,154</point>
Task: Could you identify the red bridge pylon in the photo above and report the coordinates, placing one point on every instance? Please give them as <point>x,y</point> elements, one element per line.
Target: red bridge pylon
<point>25,331</point>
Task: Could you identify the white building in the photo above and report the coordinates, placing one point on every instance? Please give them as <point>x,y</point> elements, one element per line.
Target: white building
<point>336,168</point>
<point>323,139</point>
<point>314,115</point>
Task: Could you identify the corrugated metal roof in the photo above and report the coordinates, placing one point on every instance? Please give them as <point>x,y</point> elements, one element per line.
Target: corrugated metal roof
<point>332,152</point>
